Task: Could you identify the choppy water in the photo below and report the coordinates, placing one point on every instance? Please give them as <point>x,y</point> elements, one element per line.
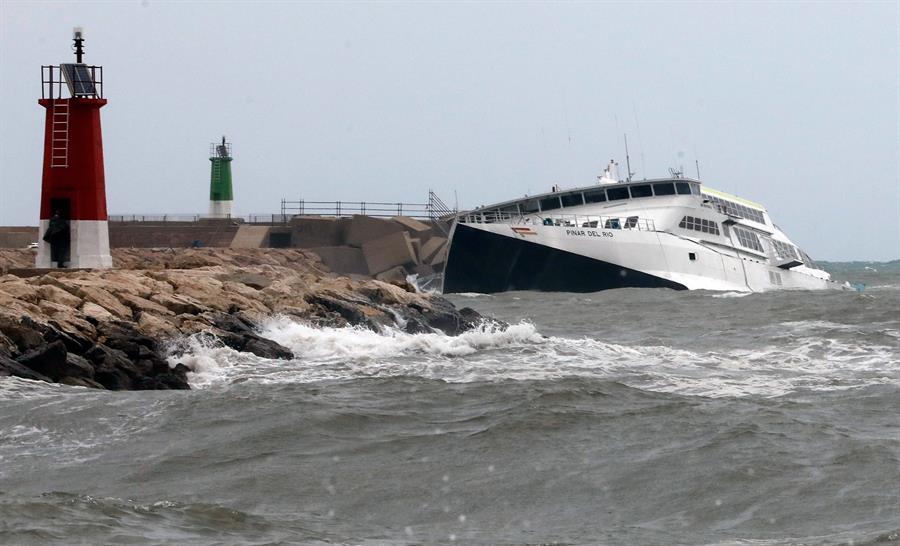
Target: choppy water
<point>623,417</point>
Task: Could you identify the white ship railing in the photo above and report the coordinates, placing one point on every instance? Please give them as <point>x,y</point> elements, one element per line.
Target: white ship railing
<point>560,220</point>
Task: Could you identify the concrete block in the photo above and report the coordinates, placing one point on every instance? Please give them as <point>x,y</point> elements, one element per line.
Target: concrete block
<point>389,251</point>
<point>430,248</point>
<point>439,258</point>
<point>250,237</point>
<point>394,274</point>
<point>423,270</point>
<point>417,248</point>
<point>440,228</point>
<point>343,259</point>
<point>437,229</point>
<point>361,229</point>
<point>314,232</point>
<point>411,225</point>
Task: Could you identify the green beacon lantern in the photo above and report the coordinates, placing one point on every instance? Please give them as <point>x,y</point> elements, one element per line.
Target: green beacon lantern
<point>221,197</point>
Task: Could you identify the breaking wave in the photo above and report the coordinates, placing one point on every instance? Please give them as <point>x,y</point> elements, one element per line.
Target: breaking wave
<point>519,352</point>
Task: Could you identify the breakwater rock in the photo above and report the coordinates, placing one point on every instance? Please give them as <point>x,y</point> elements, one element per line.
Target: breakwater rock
<point>112,328</point>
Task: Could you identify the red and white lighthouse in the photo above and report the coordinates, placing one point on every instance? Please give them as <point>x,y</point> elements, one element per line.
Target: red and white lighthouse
<point>73,229</point>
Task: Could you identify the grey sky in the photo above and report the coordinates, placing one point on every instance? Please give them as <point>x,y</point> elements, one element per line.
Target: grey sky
<point>792,105</point>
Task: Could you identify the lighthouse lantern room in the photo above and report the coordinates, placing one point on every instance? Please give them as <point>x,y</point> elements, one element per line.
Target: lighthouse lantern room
<point>73,221</point>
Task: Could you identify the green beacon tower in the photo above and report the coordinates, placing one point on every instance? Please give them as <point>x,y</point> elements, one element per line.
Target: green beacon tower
<point>221,197</point>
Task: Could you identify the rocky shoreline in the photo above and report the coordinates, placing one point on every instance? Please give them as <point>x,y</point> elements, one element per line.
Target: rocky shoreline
<point>111,329</point>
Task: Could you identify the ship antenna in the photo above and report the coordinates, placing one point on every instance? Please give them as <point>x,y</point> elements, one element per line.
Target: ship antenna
<point>628,159</point>
<point>640,139</point>
<point>697,161</point>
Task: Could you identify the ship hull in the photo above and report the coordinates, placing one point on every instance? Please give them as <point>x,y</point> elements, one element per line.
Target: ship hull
<point>495,257</point>
<point>487,262</point>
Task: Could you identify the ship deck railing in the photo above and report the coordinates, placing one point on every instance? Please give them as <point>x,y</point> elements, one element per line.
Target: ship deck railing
<point>592,221</point>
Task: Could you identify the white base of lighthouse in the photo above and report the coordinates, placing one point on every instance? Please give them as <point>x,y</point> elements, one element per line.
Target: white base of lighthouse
<point>89,246</point>
<point>220,209</point>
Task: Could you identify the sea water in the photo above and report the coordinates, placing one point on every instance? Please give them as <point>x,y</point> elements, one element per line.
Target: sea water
<point>637,416</point>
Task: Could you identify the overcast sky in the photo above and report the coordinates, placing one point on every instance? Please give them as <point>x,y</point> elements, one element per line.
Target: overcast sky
<point>791,105</point>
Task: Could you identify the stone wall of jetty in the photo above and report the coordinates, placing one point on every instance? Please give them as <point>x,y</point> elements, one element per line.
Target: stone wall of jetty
<point>112,328</point>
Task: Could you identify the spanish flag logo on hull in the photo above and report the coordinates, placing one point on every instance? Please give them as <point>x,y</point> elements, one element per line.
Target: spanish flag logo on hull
<point>523,231</point>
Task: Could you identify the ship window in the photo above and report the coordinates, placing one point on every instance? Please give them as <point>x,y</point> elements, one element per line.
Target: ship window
<point>530,206</point>
<point>643,190</point>
<point>664,189</point>
<point>695,189</point>
<point>699,224</point>
<point>612,223</point>
<point>595,196</point>
<point>784,250</point>
<point>683,188</point>
<point>807,260</point>
<point>736,209</point>
<point>748,239</point>
<point>631,222</point>
<point>550,203</point>
<point>775,278</point>
<point>511,209</point>
<point>572,200</point>
<point>616,194</point>
<point>692,256</point>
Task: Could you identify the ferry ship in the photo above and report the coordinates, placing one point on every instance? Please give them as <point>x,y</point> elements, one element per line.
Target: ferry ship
<point>670,232</point>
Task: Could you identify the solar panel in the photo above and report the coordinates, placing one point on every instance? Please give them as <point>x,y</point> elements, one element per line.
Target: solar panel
<point>79,79</point>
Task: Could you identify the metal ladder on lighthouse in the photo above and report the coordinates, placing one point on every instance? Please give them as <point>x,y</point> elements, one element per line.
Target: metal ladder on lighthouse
<point>59,139</point>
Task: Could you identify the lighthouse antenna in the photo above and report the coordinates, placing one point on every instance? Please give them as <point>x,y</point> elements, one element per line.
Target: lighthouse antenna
<point>78,38</point>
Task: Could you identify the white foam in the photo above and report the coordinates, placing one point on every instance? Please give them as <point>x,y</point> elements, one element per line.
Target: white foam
<point>210,362</point>
<point>429,284</point>
<point>731,294</point>
<point>360,343</point>
<point>520,353</point>
<point>16,388</point>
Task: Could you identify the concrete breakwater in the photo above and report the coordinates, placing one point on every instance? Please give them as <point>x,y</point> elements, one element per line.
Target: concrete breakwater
<point>111,329</point>
<point>382,248</point>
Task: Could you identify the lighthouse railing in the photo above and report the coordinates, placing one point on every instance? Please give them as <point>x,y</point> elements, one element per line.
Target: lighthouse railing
<point>53,82</point>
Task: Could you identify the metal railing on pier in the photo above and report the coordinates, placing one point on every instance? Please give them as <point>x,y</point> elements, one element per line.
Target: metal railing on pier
<point>303,207</point>
<point>243,219</point>
<point>434,209</point>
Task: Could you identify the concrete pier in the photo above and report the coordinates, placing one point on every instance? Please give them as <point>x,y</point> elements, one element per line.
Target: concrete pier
<point>388,248</point>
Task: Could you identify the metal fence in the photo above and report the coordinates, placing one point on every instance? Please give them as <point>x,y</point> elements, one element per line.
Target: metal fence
<point>434,209</point>
<point>349,208</point>
<point>244,219</point>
